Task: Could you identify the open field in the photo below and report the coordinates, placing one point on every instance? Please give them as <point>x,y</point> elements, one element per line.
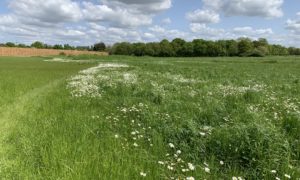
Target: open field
<point>29,52</point>
<point>121,117</point>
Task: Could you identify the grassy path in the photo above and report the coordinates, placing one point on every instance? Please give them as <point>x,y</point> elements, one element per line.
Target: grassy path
<point>10,113</point>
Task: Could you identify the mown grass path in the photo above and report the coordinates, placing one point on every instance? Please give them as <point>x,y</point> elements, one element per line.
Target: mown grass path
<point>19,108</point>
<point>24,83</point>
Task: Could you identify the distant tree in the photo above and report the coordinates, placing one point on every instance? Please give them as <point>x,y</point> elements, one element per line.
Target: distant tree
<point>38,45</point>
<point>177,45</point>
<point>47,46</point>
<point>123,48</point>
<point>152,49</point>
<point>22,45</point>
<point>278,50</point>
<point>245,46</point>
<point>166,49</point>
<point>58,46</point>
<point>139,49</point>
<point>232,48</point>
<point>99,47</point>
<point>83,48</point>
<point>260,42</point>
<point>10,44</point>
<point>188,49</point>
<point>68,47</point>
<point>222,48</point>
<point>294,51</point>
<point>200,47</point>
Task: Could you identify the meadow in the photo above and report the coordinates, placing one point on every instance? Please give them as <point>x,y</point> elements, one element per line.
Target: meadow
<point>121,117</point>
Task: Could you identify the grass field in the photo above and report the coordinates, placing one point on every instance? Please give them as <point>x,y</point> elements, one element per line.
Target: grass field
<point>150,118</point>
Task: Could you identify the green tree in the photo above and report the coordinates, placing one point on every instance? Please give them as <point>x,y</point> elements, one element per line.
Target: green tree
<point>10,44</point>
<point>139,49</point>
<point>123,48</point>
<point>232,48</point>
<point>99,46</point>
<point>166,49</point>
<point>38,45</point>
<point>58,46</point>
<point>200,47</point>
<point>245,46</point>
<point>177,45</point>
<point>188,49</point>
<point>68,47</point>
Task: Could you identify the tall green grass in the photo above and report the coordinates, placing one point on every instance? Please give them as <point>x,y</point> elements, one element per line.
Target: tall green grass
<point>229,117</point>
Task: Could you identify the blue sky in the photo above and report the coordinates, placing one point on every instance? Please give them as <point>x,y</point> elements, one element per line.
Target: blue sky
<point>84,22</point>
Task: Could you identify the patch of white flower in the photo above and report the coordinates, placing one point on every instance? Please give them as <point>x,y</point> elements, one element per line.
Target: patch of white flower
<point>227,90</point>
<point>86,82</point>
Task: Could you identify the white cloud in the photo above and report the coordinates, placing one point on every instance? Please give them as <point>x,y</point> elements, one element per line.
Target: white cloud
<point>293,26</point>
<point>202,29</point>
<point>261,8</point>
<point>203,16</point>
<point>116,17</point>
<point>249,31</point>
<point>149,6</point>
<point>50,11</point>
<point>166,21</point>
<point>170,34</point>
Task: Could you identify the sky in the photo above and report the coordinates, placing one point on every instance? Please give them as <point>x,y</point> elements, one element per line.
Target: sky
<point>85,22</point>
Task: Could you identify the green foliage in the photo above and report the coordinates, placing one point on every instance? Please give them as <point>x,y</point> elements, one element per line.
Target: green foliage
<point>38,45</point>
<point>202,48</point>
<point>10,44</point>
<point>99,47</point>
<point>245,47</point>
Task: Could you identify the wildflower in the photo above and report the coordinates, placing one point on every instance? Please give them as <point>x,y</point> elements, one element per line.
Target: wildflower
<point>143,174</point>
<point>116,136</point>
<point>222,162</point>
<point>135,145</point>
<point>287,176</point>
<point>161,162</point>
<point>191,166</point>
<point>167,154</point>
<point>178,152</point>
<point>170,168</point>
<point>171,145</point>
<point>133,133</point>
<point>185,170</point>
<point>206,169</point>
<point>274,171</point>
<point>179,160</point>
<point>277,178</point>
<point>240,178</point>
<point>202,133</point>
<point>190,178</point>
<point>234,178</point>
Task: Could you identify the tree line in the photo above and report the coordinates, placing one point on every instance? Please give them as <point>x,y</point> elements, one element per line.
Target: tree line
<point>203,48</point>
<point>180,48</point>
<point>39,45</point>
